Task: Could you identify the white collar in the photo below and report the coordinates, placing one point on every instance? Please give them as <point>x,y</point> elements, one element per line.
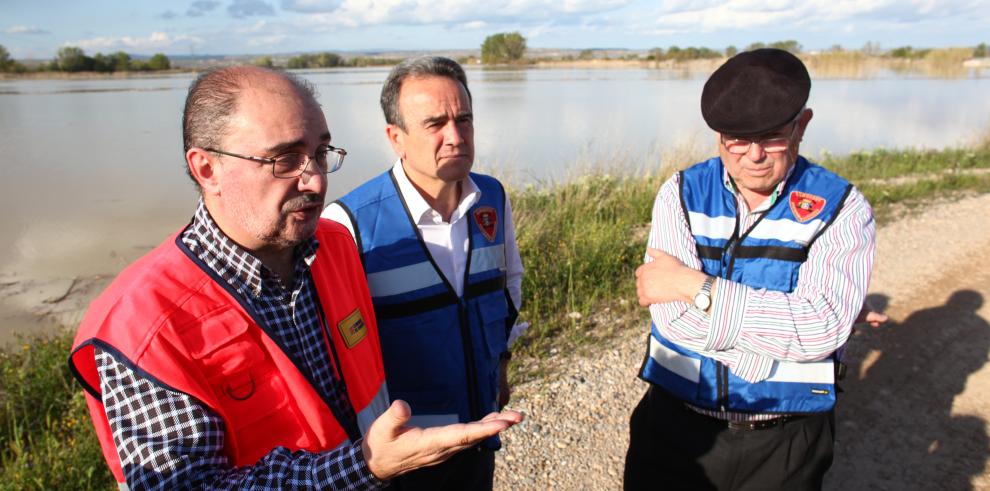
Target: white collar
<point>420,209</point>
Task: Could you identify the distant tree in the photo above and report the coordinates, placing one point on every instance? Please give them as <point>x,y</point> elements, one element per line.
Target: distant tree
<point>980,51</point>
<point>789,45</point>
<point>655,54</point>
<point>504,47</point>
<point>263,61</point>
<point>120,61</point>
<point>756,45</point>
<point>159,62</point>
<point>101,63</point>
<point>586,54</point>
<point>72,59</point>
<point>320,60</point>
<point>5,61</point>
<point>835,48</point>
<point>731,51</point>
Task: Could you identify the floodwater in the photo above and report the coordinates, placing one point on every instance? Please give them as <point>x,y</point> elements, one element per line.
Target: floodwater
<point>92,174</point>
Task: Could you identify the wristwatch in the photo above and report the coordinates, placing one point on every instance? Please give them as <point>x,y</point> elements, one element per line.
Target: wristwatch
<point>703,299</point>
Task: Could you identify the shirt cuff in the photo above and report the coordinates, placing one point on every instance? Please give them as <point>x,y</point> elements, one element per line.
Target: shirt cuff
<point>348,469</point>
<point>725,320</point>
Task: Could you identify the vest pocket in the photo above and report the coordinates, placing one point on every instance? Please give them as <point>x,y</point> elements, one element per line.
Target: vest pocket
<point>423,352</point>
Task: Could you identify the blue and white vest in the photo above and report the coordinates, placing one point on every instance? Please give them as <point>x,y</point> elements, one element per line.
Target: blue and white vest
<point>441,351</point>
<point>769,256</point>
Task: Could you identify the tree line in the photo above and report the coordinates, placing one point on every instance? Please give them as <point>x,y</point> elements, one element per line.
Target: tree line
<point>74,59</point>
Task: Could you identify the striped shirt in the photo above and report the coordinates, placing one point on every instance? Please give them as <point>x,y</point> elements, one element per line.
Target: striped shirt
<point>167,440</point>
<point>750,329</point>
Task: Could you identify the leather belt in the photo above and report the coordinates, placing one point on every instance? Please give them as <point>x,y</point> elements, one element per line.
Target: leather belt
<point>759,425</point>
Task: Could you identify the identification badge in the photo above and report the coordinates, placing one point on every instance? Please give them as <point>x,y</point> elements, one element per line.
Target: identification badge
<point>352,328</point>
<point>487,221</point>
<point>806,206</point>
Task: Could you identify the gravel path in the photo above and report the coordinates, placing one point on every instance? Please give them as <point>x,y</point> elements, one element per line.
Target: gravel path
<point>575,435</point>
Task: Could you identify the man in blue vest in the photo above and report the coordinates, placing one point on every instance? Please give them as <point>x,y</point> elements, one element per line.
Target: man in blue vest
<point>757,266</point>
<point>439,251</point>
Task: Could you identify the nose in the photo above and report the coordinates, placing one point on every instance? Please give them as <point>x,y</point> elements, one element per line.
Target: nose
<point>755,153</point>
<point>313,179</point>
<point>452,134</point>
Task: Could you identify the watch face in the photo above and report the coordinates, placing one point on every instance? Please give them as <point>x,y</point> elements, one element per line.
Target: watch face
<point>702,301</point>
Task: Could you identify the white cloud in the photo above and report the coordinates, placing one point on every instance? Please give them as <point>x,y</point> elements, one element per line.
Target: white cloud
<point>26,30</point>
<point>453,13</point>
<point>157,40</point>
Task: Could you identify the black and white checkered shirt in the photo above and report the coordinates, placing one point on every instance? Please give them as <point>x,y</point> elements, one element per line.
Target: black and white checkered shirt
<point>167,440</point>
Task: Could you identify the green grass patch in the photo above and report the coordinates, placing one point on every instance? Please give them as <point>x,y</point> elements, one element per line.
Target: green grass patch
<point>46,437</point>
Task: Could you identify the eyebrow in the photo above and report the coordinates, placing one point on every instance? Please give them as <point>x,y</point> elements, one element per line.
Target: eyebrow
<point>443,117</point>
<point>284,147</point>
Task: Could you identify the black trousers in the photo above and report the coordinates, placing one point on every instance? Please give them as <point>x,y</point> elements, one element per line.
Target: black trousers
<point>471,469</point>
<point>674,447</point>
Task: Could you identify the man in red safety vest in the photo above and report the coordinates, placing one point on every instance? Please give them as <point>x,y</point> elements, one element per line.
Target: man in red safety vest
<point>243,351</point>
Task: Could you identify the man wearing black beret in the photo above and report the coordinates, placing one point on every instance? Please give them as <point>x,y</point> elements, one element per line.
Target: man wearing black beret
<point>758,263</point>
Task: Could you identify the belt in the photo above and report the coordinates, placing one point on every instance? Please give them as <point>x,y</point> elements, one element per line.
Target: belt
<point>747,425</point>
<point>759,425</point>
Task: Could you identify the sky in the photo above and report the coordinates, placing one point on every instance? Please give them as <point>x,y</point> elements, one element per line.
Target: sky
<point>37,28</point>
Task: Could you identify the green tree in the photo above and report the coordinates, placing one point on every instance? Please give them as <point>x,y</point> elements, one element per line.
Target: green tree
<point>731,51</point>
<point>586,54</point>
<point>72,59</point>
<point>655,54</point>
<point>159,62</point>
<point>756,45</point>
<point>980,51</point>
<point>504,47</point>
<point>120,61</point>
<point>5,62</point>
<point>263,61</point>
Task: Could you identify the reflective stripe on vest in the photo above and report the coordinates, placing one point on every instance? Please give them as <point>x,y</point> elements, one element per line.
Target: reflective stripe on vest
<point>769,256</point>
<point>233,367</point>
<point>441,351</point>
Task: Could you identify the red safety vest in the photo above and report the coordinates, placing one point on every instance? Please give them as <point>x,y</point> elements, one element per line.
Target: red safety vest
<point>177,325</point>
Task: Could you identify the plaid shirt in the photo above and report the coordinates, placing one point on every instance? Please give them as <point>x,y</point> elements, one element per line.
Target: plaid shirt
<point>167,440</point>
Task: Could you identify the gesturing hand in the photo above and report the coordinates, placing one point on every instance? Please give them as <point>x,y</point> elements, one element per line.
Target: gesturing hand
<point>391,447</point>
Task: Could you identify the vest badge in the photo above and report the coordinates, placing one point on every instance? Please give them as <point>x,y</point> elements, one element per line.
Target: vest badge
<point>353,328</point>
<point>487,221</point>
<point>805,206</point>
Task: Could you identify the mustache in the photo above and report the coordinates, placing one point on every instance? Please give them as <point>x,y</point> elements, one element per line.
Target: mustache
<point>303,201</point>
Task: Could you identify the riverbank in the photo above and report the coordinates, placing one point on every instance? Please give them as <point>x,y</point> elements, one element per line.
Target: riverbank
<point>580,240</point>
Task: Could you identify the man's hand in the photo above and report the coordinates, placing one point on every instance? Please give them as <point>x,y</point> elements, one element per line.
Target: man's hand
<point>869,316</point>
<point>504,390</point>
<point>391,447</point>
<point>666,279</point>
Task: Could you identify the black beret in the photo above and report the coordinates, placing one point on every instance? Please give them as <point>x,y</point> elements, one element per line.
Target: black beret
<point>755,92</point>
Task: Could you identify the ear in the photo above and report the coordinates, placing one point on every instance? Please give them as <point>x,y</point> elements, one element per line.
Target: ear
<point>804,119</point>
<point>396,138</point>
<point>204,168</point>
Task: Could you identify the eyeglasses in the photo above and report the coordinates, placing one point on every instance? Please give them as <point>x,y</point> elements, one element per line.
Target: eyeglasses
<point>770,144</point>
<point>289,165</point>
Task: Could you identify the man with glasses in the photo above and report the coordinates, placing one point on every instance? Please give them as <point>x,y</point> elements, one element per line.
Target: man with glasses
<point>243,351</point>
<point>444,271</point>
<point>757,266</point>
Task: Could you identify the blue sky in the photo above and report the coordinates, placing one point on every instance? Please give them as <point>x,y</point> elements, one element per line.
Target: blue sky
<point>37,28</point>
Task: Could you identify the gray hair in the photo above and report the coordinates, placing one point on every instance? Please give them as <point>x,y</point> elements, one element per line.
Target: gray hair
<point>212,101</point>
<point>422,66</point>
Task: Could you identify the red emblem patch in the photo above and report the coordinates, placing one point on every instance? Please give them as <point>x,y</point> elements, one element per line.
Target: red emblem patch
<point>806,206</point>
<point>487,221</point>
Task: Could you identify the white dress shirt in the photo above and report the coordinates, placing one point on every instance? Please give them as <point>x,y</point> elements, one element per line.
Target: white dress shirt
<point>448,241</point>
